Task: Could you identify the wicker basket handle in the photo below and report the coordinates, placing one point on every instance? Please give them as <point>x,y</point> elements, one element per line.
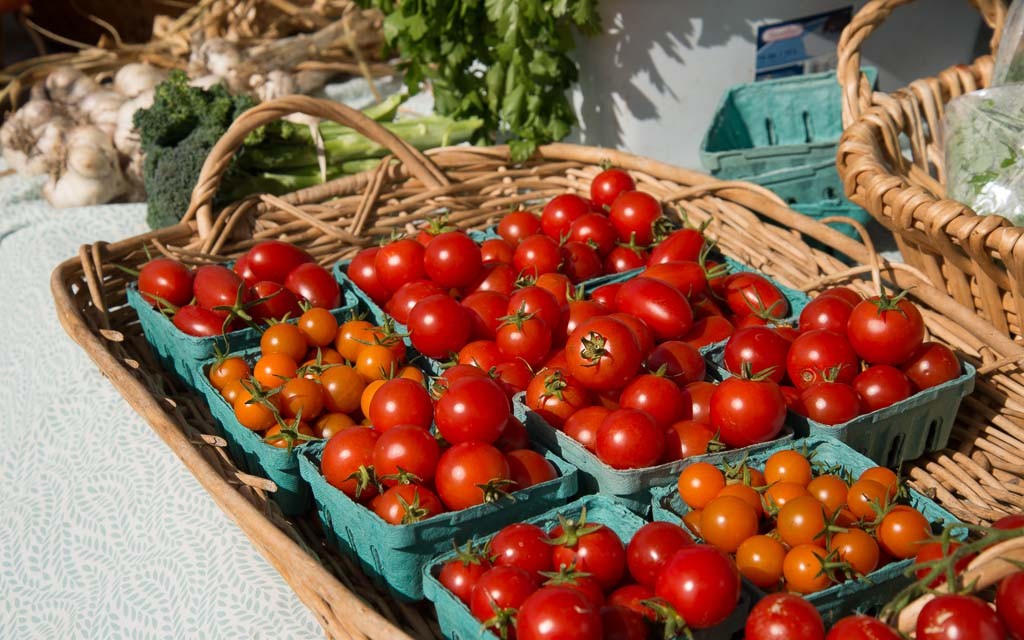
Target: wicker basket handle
<point>201,205</point>
<point>856,90</point>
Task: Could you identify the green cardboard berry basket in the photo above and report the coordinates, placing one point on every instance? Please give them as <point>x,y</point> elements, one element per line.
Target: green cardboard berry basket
<point>895,434</point>
<point>863,596</point>
<point>457,623</point>
<point>184,354</point>
<point>395,555</point>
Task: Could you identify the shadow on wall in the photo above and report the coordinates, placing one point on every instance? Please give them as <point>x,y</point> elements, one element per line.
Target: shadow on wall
<point>631,41</point>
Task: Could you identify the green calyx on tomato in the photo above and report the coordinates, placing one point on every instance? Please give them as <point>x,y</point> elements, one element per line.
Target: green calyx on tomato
<point>573,530</point>
<point>593,349</point>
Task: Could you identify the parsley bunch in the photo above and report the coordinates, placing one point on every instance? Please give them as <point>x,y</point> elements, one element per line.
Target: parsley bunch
<point>505,61</point>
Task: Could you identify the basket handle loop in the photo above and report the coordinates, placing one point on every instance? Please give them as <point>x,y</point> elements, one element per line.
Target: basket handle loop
<point>856,90</point>
<point>201,205</point>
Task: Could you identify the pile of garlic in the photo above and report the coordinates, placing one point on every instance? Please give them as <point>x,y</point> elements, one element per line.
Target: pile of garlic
<point>80,133</point>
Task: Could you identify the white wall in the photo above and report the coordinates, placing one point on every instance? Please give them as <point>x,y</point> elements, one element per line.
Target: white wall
<point>650,83</point>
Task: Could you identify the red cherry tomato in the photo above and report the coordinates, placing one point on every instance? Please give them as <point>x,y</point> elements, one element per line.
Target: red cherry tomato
<point>881,386</point>
<point>487,307</point>
<point>406,503</point>
<point>632,596</point>
<point>582,425</point>
<point>629,439</point>
<point>701,583</point>
<point>163,279</point>
<point>273,260</point>
<point>934,551</point>
<point>623,623</point>
<point>537,255</point>
<point>363,272</point>
<point>843,293</point>
<point>818,353</point>
<point>651,547</point>
<point>624,258</point>
<point>684,244</point>
<point>439,326</point>
<point>518,225</point>
<point>634,214</point>
<point>760,349</point>
<point>405,449</point>
<point>500,588</point>
<point>559,214</point>
<point>452,260</point>
<point>1010,604</point>
<point>525,337</point>
<point>408,295</point>
<point>200,322</point>
<point>709,330</point>
<point>277,302</point>
<point>481,353</point>
<point>581,261</point>
<point>931,364</point>
<point>951,617</point>
<point>529,468</point>
<point>217,286</point>
<point>608,185</point>
<point>747,293</point>
<point>244,272</point>
<point>882,332</point>
<point>830,313</point>
<point>656,395</point>
<point>660,305</point>
<point>605,294</point>
<point>558,613</point>
<point>470,473</point>
<point>496,250</point>
<point>595,229</point>
<point>686,438</point>
<point>399,262</point>
<point>781,616</point>
<point>682,362</point>
<point>746,412</point>
<point>830,403</point>
<point>589,548</point>
<point>497,277</point>
<point>555,396</point>
<point>471,410</point>
<point>346,460</point>
<point>524,546</point>
<point>642,332</point>
<point>461,574</point>
<point>514,375</point>
<point>602,354</point>
<point>315,285</point>
<point>689,277</point>
<point>401,401</point>
<point>699,394</point>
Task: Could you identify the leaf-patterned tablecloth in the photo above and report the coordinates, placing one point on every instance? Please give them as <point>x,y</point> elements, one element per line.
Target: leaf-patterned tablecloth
<point>103,532</point>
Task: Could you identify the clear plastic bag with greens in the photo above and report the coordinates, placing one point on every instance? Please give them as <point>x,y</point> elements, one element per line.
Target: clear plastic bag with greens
<point>984,146</point>
<point>1009,67</point>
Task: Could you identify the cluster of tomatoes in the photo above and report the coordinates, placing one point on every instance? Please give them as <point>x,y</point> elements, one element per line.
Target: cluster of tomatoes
<point>312,378</point>
<point>793,530</point>
<point>579,580</point>
<point>269,282</point>
<point>407,474</point>
<point>947,616</point>
<point>822,360</point>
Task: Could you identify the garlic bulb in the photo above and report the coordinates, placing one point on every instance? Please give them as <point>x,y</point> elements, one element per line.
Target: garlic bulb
<point>90,171</point>
<point>126,136</point>
<point>137,78</point>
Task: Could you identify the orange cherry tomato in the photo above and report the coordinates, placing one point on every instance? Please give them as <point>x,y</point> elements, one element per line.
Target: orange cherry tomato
<point>902,532</point>
<point>787,466</point>
<point>273,369</point>
<point>301,394</point>
<point>829,490</point>
<point>353,336</point>
<point>274,438</point>
<point>329,424</point>
<point>802,521</point>
<point>328,356</point>
<point>802,569</point>
<point>412,373</point>
<point>256,416</point>
<point>232,390</point>
<point>858,549</point>
<point>692,520</point>
<point>376,362</point>
<point>319,327</point>
<point>777,495</point>
<point>885,477</point>
<point>228,370</point>
<point>746,494</point>
<point>727,521</point>
<point>864,495</point>
<point>342,388</point>
<point>699,484</point>
<point>367,396</point>
<point>286,339</point>
<point>759,559</point>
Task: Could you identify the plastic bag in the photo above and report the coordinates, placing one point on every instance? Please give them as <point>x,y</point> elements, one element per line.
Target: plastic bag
<point>1009,67</point>
<point>984,146</point>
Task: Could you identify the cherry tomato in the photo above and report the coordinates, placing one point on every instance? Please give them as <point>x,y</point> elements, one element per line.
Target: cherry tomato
<point>759,348</point>
<point>452,260</point>
<point>529,468</point>
<point>708,331</point>
<point>843,293</point>
<point>582,425</point>
<point>559,214</point>
<point>578,312</point>
<point>644,335</point>
<point>830,490</point>
<point>167,280</point>
<point>594,229</point>
<point>471,473</point>
<point>329,424</point>
<point>487,308</point>
<point>830,403</point>
<point>802,569</point>
<point>608,185</point>
<point>514,375</point>
<point>285,339</point>
<point>864,495</point>
<point>496,250</point>
<point>782,616</point>
<point>346,460</point>
<point>558,284</point>
<point>273,260</point>
<point>273,369</point>
<point>688,277</point>
<point>632,596</point>
<point>558,613</point>
<point>930,365</point>
<point>700,483</point>
<point>748,293</point>
<point>399,262</point>
<point>951,617</point>
<point>228,370</point>
<point>217,286</point>
<point>902,532</point>
<point>862,627</point>
<point>301,396</point>
<point>682,363</point>
<point>746,412</point>
<point>819,353</point>
<point>830,313</point>
<point>472,409</point>
<point>656,395</point>
<point>701,583</point>
<point>537,301</point>
<point>885,332</point>
<point>787,466</point>
<point>602,354</point>
<point>536,255</point>
<point>244,271</point>
<point>406,504</point>
<point>685,439</point>
<point>629,439</point>
<point>318,326</point>
<point>555,396</point>
<point>363,272</point>
<point>518,225</point>
<point>684,244</point>
<point>590,548</point>
<point>524,546</point>
<point>727,521</point>
<point>605,294</point>
<point>581,261</point>
<point>934,551</point>
<point>496,277</point>
<point>759,559</point>
<point>439,326</point>
<point>651,547</point>
<point>622,623</point>
<point>885,477</point>
<point>405,299</point>
<point>624,258</point>
<point>405,452</point>
<point>634,214</point>
<point>401,401</point>
<point>1010,604</point>
<point>315,285</point>
<point>660,305</point>
<point>500,588</point>
<point>251,414</point>
<point>461,574</point>
<point>780,493</point>
<point>343,387</point>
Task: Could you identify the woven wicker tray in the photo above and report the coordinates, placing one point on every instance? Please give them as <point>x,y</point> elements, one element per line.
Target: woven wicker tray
<point>978,478</point>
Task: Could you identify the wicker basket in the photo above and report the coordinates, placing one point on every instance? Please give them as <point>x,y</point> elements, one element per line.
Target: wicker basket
<point>979,481</point>
<point>979,260</point>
